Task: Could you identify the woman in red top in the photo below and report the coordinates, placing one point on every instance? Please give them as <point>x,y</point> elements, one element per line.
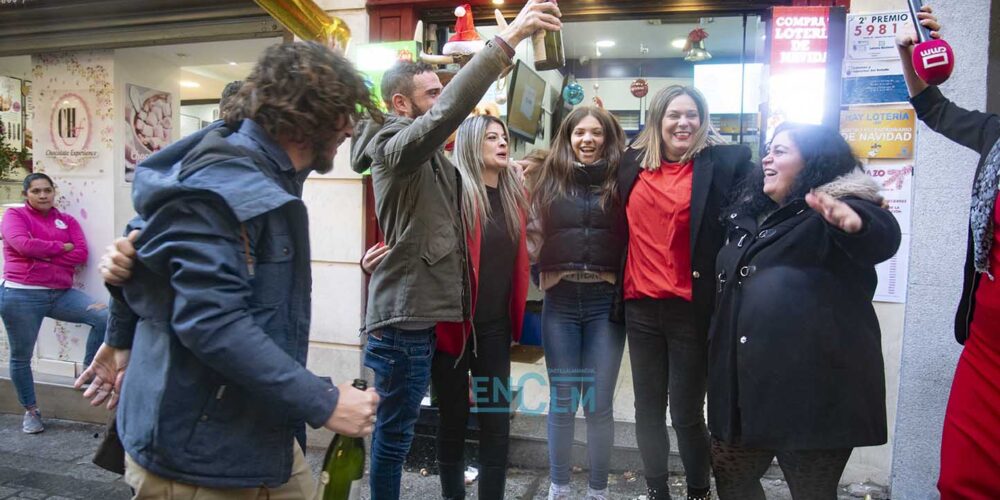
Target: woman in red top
<point>674,180</point>
<point>970,444</point>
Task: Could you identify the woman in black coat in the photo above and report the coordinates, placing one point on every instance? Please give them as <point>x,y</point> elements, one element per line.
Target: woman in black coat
<point>795,358</point>
<point>674,181</point>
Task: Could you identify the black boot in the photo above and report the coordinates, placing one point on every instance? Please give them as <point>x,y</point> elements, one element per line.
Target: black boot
<point>492,480</point>
<point>658,488</point>
<point>452,480</point>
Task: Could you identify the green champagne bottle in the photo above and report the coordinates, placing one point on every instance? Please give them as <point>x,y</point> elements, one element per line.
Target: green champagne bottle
<point>549,51</point>
<point>344,465</point>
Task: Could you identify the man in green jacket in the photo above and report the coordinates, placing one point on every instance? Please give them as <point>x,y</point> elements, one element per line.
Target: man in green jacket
<point>423,278</point>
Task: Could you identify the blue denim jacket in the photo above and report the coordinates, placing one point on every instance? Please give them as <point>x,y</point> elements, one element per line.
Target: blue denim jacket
<point>216,385</point>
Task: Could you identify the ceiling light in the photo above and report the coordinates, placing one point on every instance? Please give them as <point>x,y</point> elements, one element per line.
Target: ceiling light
<point>189,84</point>
<point>678,43</point>
<point>232,63</point>
<point>497,2</point>
<point>606,43</point>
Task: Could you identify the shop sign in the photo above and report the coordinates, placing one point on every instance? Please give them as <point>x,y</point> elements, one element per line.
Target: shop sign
<point>879,132</point>
<point>799,38</point>
<point>873,36</point>
<point>71,129</point>
<point>797,82</point>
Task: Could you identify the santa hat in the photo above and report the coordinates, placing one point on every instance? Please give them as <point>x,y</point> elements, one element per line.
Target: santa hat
<point>465,40</point>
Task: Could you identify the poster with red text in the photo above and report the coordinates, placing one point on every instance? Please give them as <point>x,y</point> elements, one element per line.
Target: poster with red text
<point>797,82</point>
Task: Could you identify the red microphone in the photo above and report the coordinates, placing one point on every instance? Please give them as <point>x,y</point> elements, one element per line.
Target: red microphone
<point>933,59</point>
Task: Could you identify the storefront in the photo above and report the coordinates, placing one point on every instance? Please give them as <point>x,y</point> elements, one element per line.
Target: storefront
<point>812,61</point>
<point>95,73</point>
<point>99,95</point>
<point>117,55</point>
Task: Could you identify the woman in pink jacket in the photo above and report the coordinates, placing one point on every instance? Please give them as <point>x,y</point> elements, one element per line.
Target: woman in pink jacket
<point>42,247</point>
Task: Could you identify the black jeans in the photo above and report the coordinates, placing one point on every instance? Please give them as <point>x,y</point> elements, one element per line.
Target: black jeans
<point>490,365</point>
<point>669,357</point>
<point>811,474</point>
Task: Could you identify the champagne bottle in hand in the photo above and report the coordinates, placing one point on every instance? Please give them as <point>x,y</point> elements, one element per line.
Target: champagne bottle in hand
<point>344,465</point>
<point>549,50</point>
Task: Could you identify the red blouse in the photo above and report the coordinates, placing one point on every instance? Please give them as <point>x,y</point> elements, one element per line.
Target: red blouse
<point>659,223</point>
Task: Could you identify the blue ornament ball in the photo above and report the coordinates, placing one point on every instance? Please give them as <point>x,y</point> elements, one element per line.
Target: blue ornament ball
<point>573,93</point>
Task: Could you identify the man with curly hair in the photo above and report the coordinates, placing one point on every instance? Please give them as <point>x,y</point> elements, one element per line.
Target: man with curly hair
<point>230,91</point>
<point>216,313</point>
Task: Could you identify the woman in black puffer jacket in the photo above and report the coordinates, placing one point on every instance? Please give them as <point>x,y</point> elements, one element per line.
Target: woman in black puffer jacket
<point>576,240</point>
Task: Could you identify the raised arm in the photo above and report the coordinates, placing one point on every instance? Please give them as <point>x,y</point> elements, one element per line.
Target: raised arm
<point>412,146</point>
<point>968,128</point>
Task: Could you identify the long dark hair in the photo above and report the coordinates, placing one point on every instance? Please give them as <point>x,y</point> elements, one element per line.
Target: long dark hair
<point>825,155</point>
<point>26,185</point>
<point>556,175</point>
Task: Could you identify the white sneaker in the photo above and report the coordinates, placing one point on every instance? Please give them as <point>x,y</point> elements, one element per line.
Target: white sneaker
<point>557,492</point>
<point>593,494</point>
<point>32,423</point>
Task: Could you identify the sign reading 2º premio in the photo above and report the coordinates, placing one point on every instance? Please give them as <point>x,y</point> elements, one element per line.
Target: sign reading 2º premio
<point>873,36</point>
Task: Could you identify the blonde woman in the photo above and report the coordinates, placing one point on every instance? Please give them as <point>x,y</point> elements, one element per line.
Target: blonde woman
<point>493,209</point>
<point>673,182</point>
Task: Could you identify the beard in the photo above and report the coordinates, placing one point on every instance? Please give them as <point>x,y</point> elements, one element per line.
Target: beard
<point>416,111</point>
<point>323,163</point>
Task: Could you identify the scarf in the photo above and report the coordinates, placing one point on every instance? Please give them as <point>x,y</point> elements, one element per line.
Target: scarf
<point>984,197</point>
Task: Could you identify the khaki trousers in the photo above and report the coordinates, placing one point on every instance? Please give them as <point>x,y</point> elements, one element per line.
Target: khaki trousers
<point>148,486</point>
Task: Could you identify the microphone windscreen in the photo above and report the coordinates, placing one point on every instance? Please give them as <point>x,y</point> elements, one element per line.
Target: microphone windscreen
<point>933,61</point>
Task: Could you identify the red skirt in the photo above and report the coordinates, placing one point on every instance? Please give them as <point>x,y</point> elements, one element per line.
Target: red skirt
<point>970,445</point>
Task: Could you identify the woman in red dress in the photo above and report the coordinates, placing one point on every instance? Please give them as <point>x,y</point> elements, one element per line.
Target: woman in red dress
<point>970,444</point>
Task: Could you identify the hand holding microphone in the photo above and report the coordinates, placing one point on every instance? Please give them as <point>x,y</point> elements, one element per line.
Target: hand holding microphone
<point>933,59</point>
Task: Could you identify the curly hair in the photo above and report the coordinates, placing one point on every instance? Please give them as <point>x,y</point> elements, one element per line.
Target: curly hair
<point>302,91</point>
<point>231,89</point>
<point>825,156</point>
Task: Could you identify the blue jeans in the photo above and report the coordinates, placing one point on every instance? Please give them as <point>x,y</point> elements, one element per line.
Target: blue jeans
<point>401,360</point>
<point>23,312</point>
<point>583,352</point>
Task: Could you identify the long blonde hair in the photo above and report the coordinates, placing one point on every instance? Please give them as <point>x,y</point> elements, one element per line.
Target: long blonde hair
<point>556,178</point>
<point>469,159</point>
<point>650,140</point>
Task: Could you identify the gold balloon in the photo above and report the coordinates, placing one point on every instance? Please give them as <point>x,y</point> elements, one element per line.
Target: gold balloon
<point>309,22</point>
